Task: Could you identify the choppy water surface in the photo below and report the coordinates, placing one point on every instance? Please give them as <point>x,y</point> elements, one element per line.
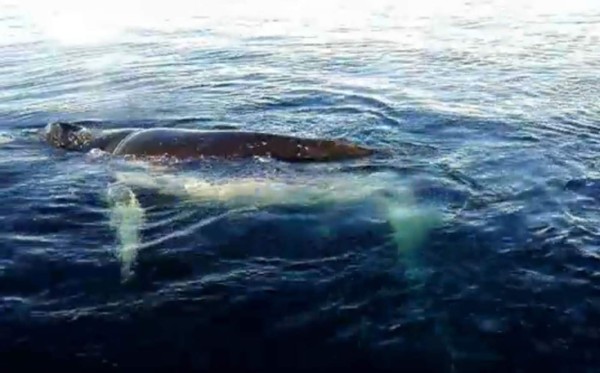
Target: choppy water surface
<point>473,247</point>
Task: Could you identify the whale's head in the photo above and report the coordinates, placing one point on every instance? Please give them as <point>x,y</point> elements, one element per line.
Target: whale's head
<point>67,136</point>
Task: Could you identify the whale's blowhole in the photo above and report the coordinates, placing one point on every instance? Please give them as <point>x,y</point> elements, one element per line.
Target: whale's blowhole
<point>68,135</point>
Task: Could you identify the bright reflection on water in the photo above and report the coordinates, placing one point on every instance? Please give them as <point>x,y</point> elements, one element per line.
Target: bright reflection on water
<point>404,50</point>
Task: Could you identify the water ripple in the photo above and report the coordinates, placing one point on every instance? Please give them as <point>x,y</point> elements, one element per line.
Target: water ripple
<point>489,115</point>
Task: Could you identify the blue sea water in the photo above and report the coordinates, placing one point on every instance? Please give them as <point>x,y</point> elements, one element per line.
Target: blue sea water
<point>473,246</point>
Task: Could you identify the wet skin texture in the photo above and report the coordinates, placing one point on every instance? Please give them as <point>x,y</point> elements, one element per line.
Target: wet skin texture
<point>189,143</point>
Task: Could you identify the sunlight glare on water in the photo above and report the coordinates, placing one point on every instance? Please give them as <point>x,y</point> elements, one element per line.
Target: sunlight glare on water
<point>482,38</point>
<point>73,22</point>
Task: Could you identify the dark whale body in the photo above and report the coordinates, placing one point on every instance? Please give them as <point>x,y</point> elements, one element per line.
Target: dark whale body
<point>189,143</point>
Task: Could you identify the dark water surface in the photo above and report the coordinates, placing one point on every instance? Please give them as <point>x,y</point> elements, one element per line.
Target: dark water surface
<point>475,246</point>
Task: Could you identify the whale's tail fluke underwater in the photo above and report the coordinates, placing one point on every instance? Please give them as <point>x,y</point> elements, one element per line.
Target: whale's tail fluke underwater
<point>190,144</point>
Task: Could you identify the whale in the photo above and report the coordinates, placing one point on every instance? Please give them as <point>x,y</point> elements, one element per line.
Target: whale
<point>186,143</point>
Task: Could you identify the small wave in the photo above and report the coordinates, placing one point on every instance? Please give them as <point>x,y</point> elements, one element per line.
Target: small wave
<point>6,138</point>
<point>562,127</point>
<point>329,97</point>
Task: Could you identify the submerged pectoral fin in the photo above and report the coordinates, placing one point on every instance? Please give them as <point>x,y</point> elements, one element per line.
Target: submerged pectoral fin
<point>126,218</point>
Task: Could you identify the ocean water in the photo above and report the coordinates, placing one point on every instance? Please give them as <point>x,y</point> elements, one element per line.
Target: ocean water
<point>473,246</point>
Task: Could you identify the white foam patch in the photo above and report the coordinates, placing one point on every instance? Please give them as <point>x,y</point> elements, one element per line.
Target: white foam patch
<point>97,154</point>
<point>127,218</point>
<point>5,138</point>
